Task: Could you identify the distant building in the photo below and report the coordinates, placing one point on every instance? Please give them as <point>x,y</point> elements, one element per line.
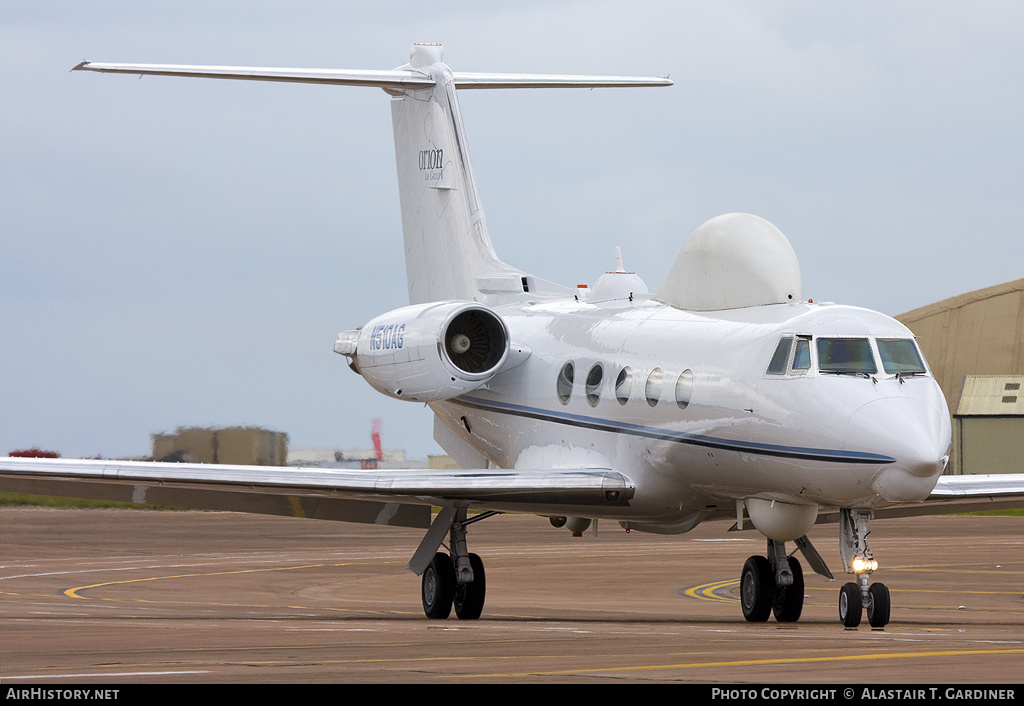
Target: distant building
<point>988,425</point>
<point>442,462</point>
<point>329,457</point>
<point>248,446</point>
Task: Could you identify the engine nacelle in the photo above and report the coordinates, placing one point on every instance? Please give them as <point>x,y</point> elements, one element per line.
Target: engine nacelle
<point>428,352</point>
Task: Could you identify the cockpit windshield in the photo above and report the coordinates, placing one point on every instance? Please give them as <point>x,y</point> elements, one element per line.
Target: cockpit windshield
<point>900,356</point>
<point>846,355</point>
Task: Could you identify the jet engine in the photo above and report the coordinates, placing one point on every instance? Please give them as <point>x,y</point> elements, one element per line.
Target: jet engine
<point>428,352</point>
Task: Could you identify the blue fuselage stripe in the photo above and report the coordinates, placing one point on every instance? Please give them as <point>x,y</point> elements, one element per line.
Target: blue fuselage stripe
<point>681,437</point>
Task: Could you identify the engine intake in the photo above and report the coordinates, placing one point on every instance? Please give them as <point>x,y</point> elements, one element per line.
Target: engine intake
<point>475,341</point>
<point>428,352</point>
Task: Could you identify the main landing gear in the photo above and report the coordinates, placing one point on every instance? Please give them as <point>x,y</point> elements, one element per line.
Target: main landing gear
<point>772,585</point>
<point>857,598</point>
<point>441,590</point>
<point>451,580</point>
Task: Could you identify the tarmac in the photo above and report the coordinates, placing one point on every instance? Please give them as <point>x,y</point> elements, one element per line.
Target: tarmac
<point>131,597</point>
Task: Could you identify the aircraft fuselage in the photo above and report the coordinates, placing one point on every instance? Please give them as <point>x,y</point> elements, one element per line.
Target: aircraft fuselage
<point>684,405</point>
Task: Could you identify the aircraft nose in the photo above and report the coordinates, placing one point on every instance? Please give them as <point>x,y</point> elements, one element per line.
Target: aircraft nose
<point>914,433</point>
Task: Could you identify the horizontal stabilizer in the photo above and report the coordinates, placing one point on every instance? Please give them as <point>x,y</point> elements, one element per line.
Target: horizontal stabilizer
<point>478,80</point>
<point>396,80</point>
<point>393,80</point>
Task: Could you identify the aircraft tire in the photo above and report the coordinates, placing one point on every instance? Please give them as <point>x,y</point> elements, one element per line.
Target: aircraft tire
<point>469,597</point>
<point>851,606</point>
<point>757,589</point>
<point>789,600</point>
<point>878,608</point>
<point>438,587</point>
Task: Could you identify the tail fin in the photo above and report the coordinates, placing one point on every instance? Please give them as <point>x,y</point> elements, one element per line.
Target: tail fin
<point>448,253</point>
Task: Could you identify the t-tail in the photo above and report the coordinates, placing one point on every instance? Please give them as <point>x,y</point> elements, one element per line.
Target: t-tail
<point>448,252</point>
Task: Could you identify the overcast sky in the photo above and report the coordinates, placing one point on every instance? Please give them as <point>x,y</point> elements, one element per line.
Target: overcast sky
<point>181,252</point>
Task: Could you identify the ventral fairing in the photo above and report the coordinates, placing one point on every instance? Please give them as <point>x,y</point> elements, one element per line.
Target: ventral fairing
<point>723,394</point>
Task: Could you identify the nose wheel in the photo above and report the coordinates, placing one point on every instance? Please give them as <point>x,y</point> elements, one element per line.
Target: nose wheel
<point>853,604</point>
<point>851,607</point>
<point>878,607</point>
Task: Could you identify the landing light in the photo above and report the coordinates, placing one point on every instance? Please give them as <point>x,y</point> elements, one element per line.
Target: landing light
<point>862,565</point>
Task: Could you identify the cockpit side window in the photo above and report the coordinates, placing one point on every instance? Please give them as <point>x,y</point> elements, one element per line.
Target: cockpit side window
<point>846,355</point>
<point>900,356</point>
<point>802,355</point>
<point>780,358</point>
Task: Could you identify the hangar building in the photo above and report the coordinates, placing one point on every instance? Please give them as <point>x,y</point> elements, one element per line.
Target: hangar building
<point>238,445</point>
<point>974,344</point>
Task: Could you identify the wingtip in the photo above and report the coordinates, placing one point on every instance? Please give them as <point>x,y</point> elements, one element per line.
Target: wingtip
<point>80,66</point>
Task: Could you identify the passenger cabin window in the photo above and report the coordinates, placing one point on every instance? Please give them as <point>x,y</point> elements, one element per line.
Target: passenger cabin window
<point>594,378</point>
<point>623,385</point>
<point>684,388</point>
<point>653,389</point>
<point>900,356</point>
<point>846,355</point>
<point>564,384</point>
<point>780,358</point>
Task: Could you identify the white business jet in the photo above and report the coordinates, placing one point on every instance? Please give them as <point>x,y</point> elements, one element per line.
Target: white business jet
<point>723,394</point>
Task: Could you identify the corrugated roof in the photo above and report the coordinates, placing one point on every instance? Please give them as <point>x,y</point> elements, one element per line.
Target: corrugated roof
<point>992,395</point>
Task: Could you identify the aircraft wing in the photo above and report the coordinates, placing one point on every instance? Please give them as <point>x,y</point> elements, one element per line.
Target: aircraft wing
<point>955,494</point>
<point>401,497</point>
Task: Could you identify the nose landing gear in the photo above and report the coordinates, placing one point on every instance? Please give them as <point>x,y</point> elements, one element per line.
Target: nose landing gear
<point>854,598</point>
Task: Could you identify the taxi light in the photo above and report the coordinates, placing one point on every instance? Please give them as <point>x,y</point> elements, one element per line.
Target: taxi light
<point>862,565</point>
